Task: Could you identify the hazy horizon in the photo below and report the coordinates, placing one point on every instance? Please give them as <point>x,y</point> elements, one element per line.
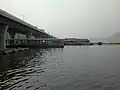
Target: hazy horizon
<point>69,18</point>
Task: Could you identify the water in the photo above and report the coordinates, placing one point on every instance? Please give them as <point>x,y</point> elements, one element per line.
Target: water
<point>71,68</point>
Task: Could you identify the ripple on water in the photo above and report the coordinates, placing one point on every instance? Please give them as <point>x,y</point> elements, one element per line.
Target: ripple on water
<point>19,71</point>
<point>73,68</point>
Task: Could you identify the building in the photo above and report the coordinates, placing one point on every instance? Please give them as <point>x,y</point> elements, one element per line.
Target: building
<point>76,41</point>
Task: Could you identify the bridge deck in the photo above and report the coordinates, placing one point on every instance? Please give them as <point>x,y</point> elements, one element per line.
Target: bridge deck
<point>15,22</point>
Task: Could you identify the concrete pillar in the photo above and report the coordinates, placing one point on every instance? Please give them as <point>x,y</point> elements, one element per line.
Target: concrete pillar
<point>12,34</point>
<point>28,35</point>
<point>3,32</point>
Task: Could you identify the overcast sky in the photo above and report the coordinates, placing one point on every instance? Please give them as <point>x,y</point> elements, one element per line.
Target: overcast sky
<point>69,18</point>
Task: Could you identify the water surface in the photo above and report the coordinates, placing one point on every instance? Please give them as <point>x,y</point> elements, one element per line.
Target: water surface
<point>71,68</point>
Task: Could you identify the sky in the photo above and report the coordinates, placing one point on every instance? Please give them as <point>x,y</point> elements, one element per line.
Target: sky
<point>69,18</point>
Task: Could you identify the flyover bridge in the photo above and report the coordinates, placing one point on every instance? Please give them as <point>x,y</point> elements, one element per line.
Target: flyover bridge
<point>13,25</point>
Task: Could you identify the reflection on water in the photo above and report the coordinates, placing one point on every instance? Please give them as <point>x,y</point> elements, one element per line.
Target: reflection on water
<point>17,69</point>
<point>71,68</point>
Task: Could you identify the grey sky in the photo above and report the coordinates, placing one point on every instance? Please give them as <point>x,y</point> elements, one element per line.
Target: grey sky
<point>69,18</point>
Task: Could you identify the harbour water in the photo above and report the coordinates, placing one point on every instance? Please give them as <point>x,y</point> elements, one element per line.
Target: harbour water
<point>70,68</point>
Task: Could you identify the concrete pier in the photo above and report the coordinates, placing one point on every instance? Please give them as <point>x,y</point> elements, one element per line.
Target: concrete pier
<point>3,32</point>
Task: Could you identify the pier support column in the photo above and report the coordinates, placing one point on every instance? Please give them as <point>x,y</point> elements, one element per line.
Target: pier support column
<point>3,32</point>
<point>12,35</point>
<point>28,35</point>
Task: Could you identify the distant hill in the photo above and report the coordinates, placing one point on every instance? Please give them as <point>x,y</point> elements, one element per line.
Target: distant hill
<point>114,38</point>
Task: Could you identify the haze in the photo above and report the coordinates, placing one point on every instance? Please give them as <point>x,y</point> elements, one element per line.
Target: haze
<point>69,18</point>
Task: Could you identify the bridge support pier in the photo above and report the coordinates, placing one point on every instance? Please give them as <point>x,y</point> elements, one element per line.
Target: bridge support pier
<point>3,32</point>
<point>12,35</point>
